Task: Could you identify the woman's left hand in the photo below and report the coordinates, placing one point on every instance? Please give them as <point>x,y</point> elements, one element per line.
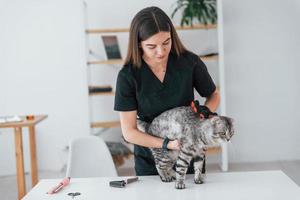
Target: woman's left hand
<point>174,145</point>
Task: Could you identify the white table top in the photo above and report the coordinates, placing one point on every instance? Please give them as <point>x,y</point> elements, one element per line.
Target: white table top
<point>261,185</point>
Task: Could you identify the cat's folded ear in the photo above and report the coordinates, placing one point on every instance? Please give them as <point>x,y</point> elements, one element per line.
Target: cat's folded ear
<point>229,119</point>
<point>214,119</point>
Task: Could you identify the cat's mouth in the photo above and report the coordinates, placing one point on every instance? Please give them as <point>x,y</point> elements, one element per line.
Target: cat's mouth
<point>216,139</point>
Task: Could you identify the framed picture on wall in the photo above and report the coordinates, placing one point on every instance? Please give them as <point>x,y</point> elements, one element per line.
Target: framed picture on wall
<point>111,47</point>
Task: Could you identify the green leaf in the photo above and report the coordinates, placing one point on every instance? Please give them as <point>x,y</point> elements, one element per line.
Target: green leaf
<point>203,10</point>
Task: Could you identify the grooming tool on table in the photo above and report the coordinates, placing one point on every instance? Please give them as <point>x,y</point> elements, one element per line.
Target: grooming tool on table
<point>60,186</point>
<point>74,194</point>
<point>122,183</point>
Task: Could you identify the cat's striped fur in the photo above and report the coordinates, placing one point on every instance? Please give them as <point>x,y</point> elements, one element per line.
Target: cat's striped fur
<point>194,134</point>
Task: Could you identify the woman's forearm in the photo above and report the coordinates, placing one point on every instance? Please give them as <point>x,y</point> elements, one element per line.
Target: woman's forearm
<point>213,101</point>
<point>135,136</point>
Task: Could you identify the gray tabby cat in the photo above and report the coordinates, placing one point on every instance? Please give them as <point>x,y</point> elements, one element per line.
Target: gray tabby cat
<point>195,136</point>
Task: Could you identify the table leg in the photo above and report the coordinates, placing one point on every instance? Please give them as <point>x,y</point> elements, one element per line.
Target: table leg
<point>33,160</point>
<point>20,162</point>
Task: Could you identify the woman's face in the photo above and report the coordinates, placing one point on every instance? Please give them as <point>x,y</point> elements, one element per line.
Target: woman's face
<point>157,47</point>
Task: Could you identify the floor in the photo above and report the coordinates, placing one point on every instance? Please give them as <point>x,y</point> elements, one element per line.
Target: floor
<point>8,187</point>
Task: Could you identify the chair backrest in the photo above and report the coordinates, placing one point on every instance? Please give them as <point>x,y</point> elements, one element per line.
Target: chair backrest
<point>89,157</point>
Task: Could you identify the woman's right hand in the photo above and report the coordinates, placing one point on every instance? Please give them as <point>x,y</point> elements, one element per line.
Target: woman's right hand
<point>174,145</point>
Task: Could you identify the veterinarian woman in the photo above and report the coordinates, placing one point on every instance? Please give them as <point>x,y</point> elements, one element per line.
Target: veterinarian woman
<point>159,74</point>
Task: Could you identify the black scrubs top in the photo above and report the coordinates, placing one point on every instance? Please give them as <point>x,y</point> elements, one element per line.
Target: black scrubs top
<point>139,89</point>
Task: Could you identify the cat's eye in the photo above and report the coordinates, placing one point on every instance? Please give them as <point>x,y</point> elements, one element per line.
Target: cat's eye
<point>222,134</point>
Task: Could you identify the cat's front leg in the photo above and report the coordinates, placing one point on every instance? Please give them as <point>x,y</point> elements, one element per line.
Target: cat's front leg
<point>181,166</point>
<point>199,168</point>
<point>166,174</point>
<point>164,165</point>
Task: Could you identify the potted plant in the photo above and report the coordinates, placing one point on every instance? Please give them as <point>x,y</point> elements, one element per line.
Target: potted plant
<point>204,11</point>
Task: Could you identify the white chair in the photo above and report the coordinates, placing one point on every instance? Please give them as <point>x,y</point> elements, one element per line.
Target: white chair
<point>89,157</point>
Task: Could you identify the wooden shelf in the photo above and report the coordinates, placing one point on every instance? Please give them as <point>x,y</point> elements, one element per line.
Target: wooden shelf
<point>213,150</point>
<point>121,62</point>
<point>107,30</point>
<point>110,124</point>
<point>124,30</point>
<point>107,62</point>
<point>108,91</point>
<point>209,58</point>
<point>197,26</point>
<point>102,93</point>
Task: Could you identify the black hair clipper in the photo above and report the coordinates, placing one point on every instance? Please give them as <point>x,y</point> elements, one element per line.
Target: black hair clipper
<point>122,183</point>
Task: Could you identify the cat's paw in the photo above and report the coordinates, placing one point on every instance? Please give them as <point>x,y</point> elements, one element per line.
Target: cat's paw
<point>200,179</point>
<point>167,175</point>
<point>167,178</point>
<point>179,185</point>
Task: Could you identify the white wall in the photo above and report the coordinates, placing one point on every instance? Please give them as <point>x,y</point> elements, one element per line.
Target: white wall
<point>262,49</point>
<point>43,71</point>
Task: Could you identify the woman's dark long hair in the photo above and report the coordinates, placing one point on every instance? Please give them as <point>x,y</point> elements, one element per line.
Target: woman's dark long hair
<point>145,24</point>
